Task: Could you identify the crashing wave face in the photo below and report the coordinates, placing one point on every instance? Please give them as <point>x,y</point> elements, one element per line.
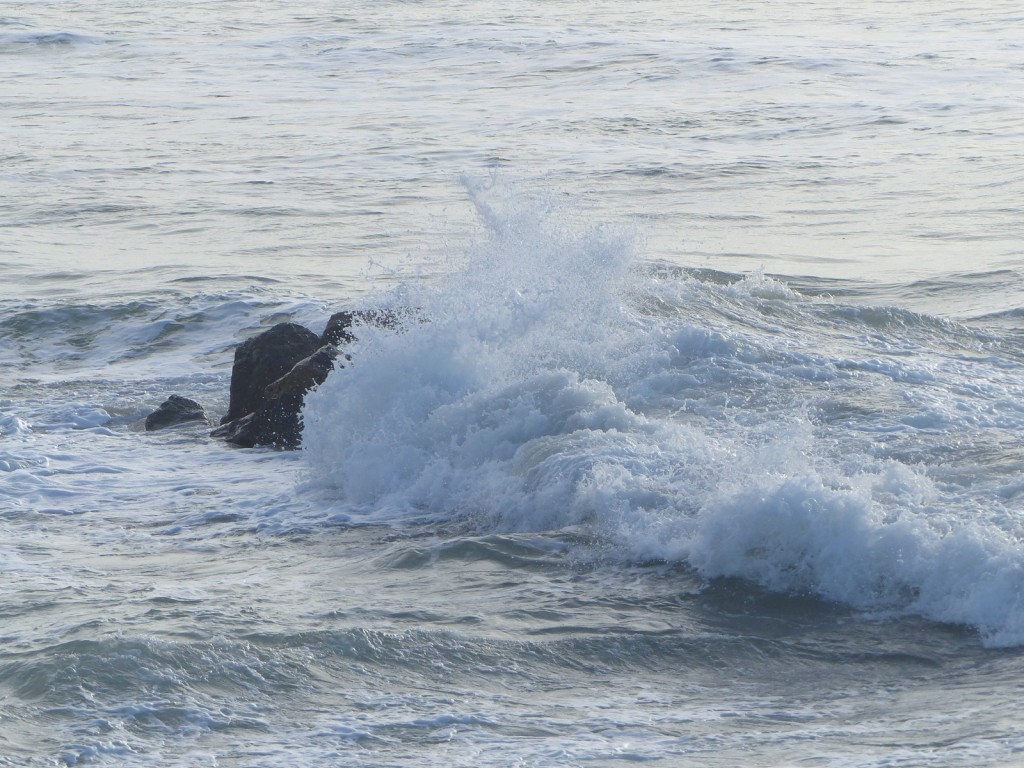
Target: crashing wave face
<point>728,424</point>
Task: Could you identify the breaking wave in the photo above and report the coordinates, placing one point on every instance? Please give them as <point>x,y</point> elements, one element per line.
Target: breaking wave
<point>862,454</point>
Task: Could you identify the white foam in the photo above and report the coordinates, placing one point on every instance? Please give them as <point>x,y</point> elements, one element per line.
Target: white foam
<point>529,395</point>
<point>11,425</point>
<point>76,416</point>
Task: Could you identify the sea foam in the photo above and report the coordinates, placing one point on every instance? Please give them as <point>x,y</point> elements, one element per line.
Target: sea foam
<point>553,381</point>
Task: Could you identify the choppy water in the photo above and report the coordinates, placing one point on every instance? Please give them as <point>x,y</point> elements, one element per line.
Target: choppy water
<point>701,445</point>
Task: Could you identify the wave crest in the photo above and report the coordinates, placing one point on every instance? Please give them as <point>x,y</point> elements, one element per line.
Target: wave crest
<point>552,382</point>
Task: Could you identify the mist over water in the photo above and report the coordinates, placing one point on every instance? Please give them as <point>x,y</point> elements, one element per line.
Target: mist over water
<point>696,441</point>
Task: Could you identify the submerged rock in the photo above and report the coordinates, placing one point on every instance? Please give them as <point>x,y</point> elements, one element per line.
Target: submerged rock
<point>175,410</point>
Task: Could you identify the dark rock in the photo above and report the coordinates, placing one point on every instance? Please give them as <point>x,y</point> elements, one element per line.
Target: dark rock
<point>262,360</point>
<point>339,327</point>
<point>278,423</point>
<point>175,410</point>
<point>305,374</point>
<point>273,371</point>
<point>278,420</point>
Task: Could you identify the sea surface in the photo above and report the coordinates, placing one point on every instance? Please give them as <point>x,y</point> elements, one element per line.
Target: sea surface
<point>699,442</point>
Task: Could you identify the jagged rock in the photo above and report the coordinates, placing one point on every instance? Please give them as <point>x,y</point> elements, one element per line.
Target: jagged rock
<point>305,374</point>
<point>277,423</point>
<point>338,331</point>
<point>262,360</point>
<point>267,395</point>
<point>175,410</point>
<point>278,420</point>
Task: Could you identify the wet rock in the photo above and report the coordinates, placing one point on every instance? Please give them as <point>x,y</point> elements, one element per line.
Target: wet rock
<point>277,423</point>
<point>305,374</point>
<point>278,420</point>
<point>175,410</point>
<point>263,359</point>
<point>339,327</point>
<point>338,331</point>
<point>267,395</point>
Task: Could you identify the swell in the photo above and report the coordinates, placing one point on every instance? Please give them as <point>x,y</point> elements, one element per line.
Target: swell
<point>734,425</point>
<point>179,332</point>
<point>25,40</point>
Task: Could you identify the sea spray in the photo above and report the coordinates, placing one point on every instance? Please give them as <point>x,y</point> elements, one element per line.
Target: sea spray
<point>513,347</point>
<point>551,381</point>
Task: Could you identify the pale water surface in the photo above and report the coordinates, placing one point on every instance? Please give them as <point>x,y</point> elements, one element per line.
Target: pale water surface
<point>701,446</point>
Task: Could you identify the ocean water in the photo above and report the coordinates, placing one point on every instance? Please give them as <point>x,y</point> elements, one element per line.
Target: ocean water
<point>699,442</point>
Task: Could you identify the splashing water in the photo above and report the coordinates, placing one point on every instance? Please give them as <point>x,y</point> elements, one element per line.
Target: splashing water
<point>737,427</point>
